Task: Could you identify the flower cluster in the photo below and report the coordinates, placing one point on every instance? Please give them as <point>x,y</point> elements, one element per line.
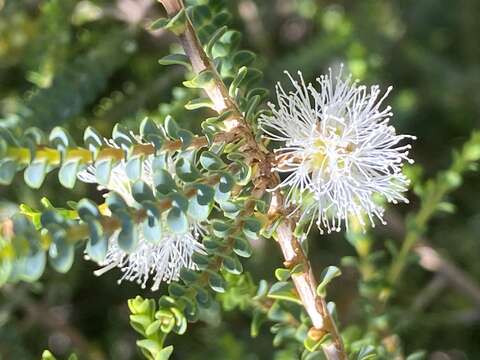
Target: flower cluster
<point>339,150</point>
<point>162,260</point>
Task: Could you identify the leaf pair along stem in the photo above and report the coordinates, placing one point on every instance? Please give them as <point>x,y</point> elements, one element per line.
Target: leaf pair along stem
<point>259,158</point>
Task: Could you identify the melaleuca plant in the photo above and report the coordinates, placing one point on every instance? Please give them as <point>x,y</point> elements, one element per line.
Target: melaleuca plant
<point>183,208</point>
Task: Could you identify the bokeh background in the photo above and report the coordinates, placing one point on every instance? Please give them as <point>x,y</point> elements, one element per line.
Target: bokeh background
<point>428,50</point>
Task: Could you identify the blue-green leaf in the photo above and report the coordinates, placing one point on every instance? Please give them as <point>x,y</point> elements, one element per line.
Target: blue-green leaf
<point>61,252</point>
<point>8,169</point>
<point>152,229</point>
<point>103,170</point>
<point>35,173</point>
<point>142,192</point>
<point>98,244</point>
<point>92,139</point>
<point>122,137</point>
<point>134,167</point>
<point>211,161</point>
<point>61,139</point>
<point>128,236</point>
<point>186,171</point>
<point>68,172</point>
<point>87,209</point>
<point>163,181</point>
<point>177,220</point>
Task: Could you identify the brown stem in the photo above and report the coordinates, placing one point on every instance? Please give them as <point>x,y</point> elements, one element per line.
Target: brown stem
<point>305,282</point>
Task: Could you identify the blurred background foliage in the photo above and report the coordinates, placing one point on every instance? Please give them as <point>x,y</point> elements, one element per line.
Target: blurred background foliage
<point>95,62</point>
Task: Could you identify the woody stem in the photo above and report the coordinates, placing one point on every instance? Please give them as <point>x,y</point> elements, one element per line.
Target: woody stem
<point>305,281</point>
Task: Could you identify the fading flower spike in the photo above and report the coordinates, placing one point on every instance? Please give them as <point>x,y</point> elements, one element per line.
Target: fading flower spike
<point>339,150</point>
<point>159,261</point>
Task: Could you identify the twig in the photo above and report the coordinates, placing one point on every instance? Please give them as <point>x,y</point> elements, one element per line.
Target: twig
<point>305,282</point>
<point>431,260</point>
<point>429,293</point>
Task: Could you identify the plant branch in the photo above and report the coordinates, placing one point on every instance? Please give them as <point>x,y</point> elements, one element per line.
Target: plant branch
<point>264,178</point>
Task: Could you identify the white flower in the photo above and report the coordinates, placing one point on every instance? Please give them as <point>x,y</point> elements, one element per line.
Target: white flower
<point>339,150</point>
<point>161,261</point>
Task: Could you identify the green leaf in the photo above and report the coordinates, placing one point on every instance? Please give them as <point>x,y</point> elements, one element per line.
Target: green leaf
<point>165,353</point>
<point>253,75</point>
<point>367,353</point>
<point>159,24</point>
<point>224,186</point>
<point>326,277</point>
<point>313,344</point>
<point>201,81</point>
<point>232,264</point>
<point>242,72</point>
<point>188,275</point>
<point>211,161</point>
<point>214,38</point>
<point>221,228</point>
<point>175,59</point>
<point>171,127</point>
<point>243,58</point>
<point>205,194</point>
<point>47,355</point>
<point>417,355</point>
<point>177,23</point>
<point>242,247</point>
<point>35,173</point>
<point>151,346</point>
<point>284,290</point>
<point>258,319</point>
<point>282,274</point>
<point>251,227</point>
<point>186,138</point>
<point>203,102</point>
<point>251,107</point>
<point>243,175</point>
<point>176,290</point>
<point>201,260</point>
<point>216,282</point>
<point>231,209</point>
